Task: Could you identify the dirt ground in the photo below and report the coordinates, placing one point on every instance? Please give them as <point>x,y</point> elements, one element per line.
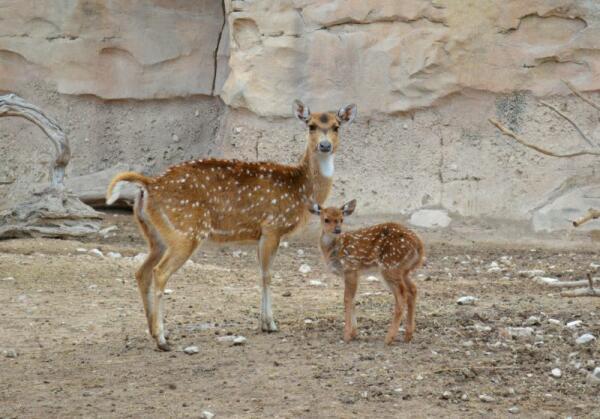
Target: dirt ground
<point>75,341</point>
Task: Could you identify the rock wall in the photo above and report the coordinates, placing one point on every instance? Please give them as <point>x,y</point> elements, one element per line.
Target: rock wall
<point>147,84</point>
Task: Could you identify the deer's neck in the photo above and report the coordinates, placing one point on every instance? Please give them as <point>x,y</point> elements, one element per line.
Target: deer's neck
<point>330,246</point>
<point>318,170</point>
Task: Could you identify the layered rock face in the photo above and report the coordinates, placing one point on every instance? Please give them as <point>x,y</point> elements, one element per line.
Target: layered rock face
<point>147,84</point>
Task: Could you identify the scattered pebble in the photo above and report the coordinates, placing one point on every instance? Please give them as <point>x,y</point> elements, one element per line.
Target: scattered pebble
<point>372,278</point>
<point>175,138</point>
<point>140,257</point>
<point>486,398</point>
<point>574,324</point>
<point>300,253</point>
<point>585,339</point>
<point>533,321</point>
<point>168,291</point>
<point>466,300</point>
<point>286,294</point>
<point>308,321</point>
<point>446,395</point>
<point>207,415</point>
<point>464,397</point>
<point>517,332</point>
<point>239,340</point>
<point>114,255</point>
<point>531,273</point>
<point>9,278</point>
<point>304,268</point>
<point>554,321</point>
<point>482,328</point>
<point>81,250</point>
<point>514,410</point>
<point>11,353</point>
<point>238,253</point>
<point>190,350</point>
<point>316,283</point>
<point>232,339</point>
<point>594,377</point>
<point>545,280</point>
<point>556,372</point>
<point>285,245</point>
<point>96,252</point>
<point>398,390</point>
<point>105,231</point>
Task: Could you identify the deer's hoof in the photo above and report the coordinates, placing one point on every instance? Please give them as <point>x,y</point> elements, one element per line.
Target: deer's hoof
<point>268,326</point>
<point>163,346</point>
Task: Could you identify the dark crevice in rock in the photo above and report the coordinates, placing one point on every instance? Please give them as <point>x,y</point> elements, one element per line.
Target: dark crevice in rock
<point>217,48</point>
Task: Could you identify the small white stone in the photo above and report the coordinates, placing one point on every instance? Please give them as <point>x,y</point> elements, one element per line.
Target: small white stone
<point>594,377</point>
<point>285,245</point>
<point>486,398</point>
<point>531,273</point>
<point>239,340</point>
<point>300,253</point>
<point>574,324</point>
<point>81,250</point>
<point>96,252</point>
<point>8,278</point>
<point>466,300</point>
<point>316,283</point>
<point>190,350</point>
<point>168,291</point>
<point>372,278</point>
<point>545,280</point>
<point>464,397</point>
<point>175,138</point>
<point>140,257</point>
<point>197,113</point>
<point>482,328</point>
<point>556,372</point>
<point>207,415</point>
<point>304,268</point>
<point>514,410</point>
<point>237,253</point>
<point>11,353</point>
<point>398,390</point>
<point>308,321</point>
<point>419,377</point>
<point>554,321</point>
<point>519,332</point>
<point>446,395</point>
<point>114,255</point>
<point>594,265</point>
<point>585,339</point>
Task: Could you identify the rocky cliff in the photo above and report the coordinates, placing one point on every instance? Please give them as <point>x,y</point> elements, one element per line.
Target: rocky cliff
<point>146,84</point>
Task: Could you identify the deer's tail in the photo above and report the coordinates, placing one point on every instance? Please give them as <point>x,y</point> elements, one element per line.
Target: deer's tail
<point>114,189</point>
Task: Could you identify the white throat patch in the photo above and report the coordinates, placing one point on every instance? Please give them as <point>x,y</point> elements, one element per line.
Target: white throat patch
<point>326,164</point>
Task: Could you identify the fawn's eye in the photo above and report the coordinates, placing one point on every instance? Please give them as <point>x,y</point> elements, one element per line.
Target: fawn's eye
<point>335,128</point>
<point>312,127</point>
<point>326,220</point>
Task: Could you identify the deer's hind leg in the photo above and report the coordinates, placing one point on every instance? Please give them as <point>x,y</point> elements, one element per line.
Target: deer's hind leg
<point>398,289</point>
<point>143,275</point>
<point>350,287</point>
<point>411,299</point>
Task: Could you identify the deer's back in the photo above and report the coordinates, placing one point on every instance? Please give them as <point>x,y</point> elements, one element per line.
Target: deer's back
<point>386,246</point>
<point>229,200</point>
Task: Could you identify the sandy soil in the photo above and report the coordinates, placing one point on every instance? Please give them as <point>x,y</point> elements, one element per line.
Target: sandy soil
<point>75,322</point>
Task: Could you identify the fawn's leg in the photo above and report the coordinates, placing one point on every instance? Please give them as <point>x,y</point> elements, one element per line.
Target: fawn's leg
<point>411,297</point>
<point>350,286</point>
<point>176,255</point>
<point>267,248</point>
<point>398,290</point>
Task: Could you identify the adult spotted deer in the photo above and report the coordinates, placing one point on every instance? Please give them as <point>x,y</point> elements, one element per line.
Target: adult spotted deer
<point>390,248</point>
<point>227,201</point>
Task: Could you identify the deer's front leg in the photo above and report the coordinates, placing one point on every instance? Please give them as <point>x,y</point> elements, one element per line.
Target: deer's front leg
<point>350,286</point>
<point>267,248</point>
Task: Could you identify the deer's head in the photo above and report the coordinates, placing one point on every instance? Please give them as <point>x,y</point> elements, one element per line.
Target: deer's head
<point>332,218</point>
<point>323,132</point>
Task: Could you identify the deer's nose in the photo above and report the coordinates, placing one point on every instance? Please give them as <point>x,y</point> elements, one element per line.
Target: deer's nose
<point>337,230</point>
<point>325,146</point>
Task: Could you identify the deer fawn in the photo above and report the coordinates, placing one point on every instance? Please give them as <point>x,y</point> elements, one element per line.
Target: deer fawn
<point>391,248</point>
<point>226,201</point>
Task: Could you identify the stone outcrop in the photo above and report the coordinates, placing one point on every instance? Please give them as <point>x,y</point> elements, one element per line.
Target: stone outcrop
<point>393,56</point>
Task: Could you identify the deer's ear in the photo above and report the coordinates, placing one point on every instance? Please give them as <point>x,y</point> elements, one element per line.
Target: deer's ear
<point>301,111</point>
<point>314,208</point>
<point>347,113</point>
<point>348,207</point>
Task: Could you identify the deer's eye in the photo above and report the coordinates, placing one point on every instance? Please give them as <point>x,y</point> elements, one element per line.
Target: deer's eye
<point>335,128</point>
<point>312,127</point>
<point>326,220</point>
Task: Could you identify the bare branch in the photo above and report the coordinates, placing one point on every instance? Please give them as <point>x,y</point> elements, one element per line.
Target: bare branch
<point>580,95</point>
<point>569,120</point>
<point>581,292</point>
<point>13,105</point>
<point>570,284</point>
<point>510,133</point>
<point>592,214</point>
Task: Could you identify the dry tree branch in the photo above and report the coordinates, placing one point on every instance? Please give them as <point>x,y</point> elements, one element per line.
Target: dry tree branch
<point>580,95</point>
<point>583,292</point>
<point>13,105</point>
<point>592,214</point>
<point>507,131</point>
<point>569,120</point>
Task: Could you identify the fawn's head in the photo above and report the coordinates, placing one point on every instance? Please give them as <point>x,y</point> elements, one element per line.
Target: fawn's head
<point>332,217</point>
<point>323,127</point>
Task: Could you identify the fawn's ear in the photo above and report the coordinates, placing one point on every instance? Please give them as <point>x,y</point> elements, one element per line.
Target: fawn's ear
<point>301,111</point>
<point>314,208</point>
<point>347,113</point>
<point>348,207</point>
